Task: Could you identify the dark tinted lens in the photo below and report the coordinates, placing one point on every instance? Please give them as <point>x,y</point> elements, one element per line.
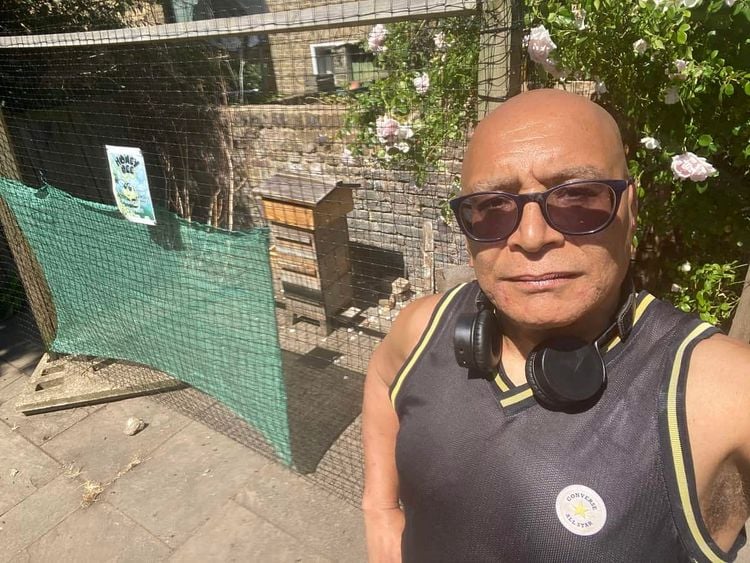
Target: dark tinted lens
<point>581,208</point>
<point>489,216</point>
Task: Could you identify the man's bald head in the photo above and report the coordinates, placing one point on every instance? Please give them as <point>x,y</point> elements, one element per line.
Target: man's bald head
<point>559,118</point>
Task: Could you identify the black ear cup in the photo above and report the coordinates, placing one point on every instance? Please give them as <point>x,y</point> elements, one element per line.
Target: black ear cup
<point>476,341</point>
<point>486,344</point>
<point>564,372</point>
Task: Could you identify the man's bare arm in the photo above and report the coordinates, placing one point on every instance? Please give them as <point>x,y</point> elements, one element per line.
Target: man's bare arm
<point>384,519</point>
<point>718,413</point>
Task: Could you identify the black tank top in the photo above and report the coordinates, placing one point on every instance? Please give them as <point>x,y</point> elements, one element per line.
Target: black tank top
<point>488,474</point>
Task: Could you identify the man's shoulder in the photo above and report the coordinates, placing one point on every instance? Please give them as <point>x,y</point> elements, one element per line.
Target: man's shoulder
<point>404,336</point>
<point>719,384</point>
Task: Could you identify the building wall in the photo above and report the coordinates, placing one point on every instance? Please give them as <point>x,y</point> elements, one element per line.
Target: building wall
<point>290,52</point>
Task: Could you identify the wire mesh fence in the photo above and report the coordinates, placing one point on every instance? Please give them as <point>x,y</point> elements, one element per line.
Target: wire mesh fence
<point>240,194</point>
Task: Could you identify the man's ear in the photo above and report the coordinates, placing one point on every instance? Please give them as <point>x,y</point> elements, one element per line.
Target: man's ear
<point>633,206</point>
<point>633,215</point>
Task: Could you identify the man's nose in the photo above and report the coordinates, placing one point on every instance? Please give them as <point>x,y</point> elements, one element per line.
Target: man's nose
<point>534,233</point>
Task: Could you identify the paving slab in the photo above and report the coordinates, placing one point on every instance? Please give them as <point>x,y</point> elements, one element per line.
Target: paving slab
<point>328,524</point>
<point>178,486</point>
<point>98,532</point>
<point>8,374</point>
<point>233,533</point>
<point>37,514</point>
<point>24,468</point>
<point>38,428</point>
<point>99,447</point>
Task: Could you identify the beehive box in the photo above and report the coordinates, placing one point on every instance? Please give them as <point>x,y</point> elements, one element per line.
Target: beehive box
<point>311,244</point>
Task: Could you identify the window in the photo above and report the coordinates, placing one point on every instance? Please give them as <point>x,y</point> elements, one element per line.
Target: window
<point>345,63</point>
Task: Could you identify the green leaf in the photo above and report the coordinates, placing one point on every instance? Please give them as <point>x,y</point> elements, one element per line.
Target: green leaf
<point>728,89</point>
<point>747,88</point>
<point>681,37</point>
<point>705,140</point>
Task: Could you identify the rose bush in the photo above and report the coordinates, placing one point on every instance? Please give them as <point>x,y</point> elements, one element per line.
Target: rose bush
<point>424,99</point>
<point>677,80</point>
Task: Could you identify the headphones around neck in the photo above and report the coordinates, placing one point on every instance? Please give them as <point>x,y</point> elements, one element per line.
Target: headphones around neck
<point>563,372</point>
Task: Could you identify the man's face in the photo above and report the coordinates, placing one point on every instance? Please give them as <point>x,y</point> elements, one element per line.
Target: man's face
<point>540,279</point>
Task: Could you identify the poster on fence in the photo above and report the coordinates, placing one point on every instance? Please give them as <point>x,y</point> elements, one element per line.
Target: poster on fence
<point>130,184</point>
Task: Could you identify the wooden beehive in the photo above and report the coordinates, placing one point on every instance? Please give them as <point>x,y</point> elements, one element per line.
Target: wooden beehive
<point>311,245</point>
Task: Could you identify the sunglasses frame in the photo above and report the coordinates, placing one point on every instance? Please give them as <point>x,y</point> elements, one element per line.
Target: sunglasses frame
<point>617,186</point>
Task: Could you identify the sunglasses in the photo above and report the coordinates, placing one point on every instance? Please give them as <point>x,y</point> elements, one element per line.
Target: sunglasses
<point>580,207</point>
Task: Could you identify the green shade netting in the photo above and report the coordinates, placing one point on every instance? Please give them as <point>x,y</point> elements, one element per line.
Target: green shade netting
<point>193,302</point>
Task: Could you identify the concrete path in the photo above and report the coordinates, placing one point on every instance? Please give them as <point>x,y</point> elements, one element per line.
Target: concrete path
<point>74,487</point>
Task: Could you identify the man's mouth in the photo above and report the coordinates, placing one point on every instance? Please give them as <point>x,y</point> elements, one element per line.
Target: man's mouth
<point>542,277</point>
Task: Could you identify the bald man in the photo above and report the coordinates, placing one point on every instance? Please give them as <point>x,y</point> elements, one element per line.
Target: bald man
<point>547,411</point>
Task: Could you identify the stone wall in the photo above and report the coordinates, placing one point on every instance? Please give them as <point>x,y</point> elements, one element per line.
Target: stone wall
<point>389,209</point>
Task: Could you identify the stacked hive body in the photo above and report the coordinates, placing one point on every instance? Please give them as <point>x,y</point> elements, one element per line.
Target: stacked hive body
<point>311,245</point>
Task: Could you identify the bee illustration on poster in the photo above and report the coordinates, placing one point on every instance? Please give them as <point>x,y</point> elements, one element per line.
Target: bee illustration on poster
<point>130,184</point>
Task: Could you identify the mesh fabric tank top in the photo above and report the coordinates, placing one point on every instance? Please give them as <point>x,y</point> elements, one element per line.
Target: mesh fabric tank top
<point>488,474</point>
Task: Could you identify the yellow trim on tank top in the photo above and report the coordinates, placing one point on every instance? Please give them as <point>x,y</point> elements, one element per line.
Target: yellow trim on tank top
<point>639,310</point>
<point>522,396</point>
<point>424,340</point>
<point>676,445</point>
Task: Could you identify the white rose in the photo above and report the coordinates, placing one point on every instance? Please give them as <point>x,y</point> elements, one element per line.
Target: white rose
<point>671,96</point>
<point>681,66</point>
<point>405,132</point>
<point>690,3</point>
<point>403,146</point>
<point>376,38</point>
<point>347,159</point>
<point>580,16</point>
<point>540,44</point>
<point>422,83</point>
<point>685,267</point>
<point>688,166</point>
<point>440,42</point>
<point>650,143</point>
<point>729,3</point>
<point>553,71</point>
<point>640,46</point>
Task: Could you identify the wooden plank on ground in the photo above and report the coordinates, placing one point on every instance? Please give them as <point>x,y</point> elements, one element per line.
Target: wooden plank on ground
<point>361,12</point>
<point>73,381</point>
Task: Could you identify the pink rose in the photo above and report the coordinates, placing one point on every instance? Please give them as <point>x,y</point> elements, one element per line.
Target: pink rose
<point>688,166</point>
<point>540,44</point>
<point>387,129</point>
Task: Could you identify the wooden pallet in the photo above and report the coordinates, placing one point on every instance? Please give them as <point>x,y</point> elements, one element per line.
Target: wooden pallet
<point>62,382</point>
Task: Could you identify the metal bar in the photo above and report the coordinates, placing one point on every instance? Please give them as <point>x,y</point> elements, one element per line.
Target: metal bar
<point>360,12</point>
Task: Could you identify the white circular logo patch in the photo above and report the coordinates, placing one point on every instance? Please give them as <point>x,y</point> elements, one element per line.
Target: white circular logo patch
<point>581,510</point>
